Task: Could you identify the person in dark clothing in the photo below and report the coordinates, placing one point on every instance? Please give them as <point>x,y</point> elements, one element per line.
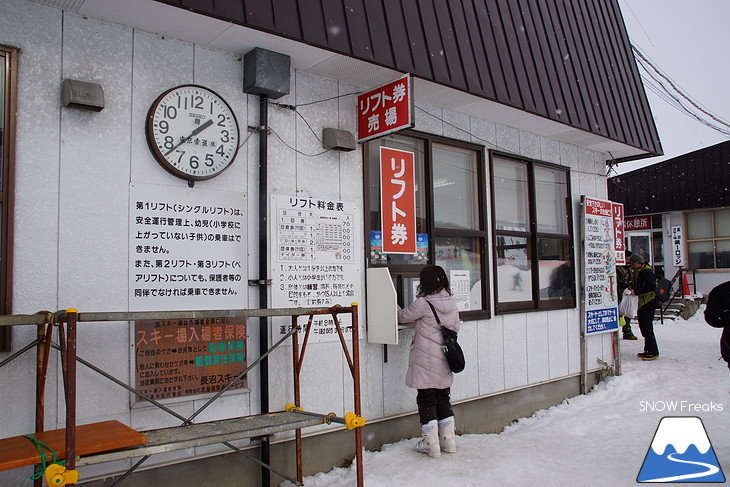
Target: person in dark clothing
<point>717,314</point>
<point>623,278</point>
<point>643,284</point>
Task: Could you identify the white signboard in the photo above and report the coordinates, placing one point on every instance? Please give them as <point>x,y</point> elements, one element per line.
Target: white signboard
<point>187,249</point>
<point>460,282</point>
<point>313,261</point>
<point>678,246</point>
<point>601,303</point>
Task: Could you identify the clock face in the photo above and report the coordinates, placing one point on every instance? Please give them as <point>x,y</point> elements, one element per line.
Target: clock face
<point>192,132</point>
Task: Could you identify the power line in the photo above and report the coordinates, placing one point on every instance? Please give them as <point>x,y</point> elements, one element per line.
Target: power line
<point>674,95</point>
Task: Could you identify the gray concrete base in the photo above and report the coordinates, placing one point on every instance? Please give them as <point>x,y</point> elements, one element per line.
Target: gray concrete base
<point>322,452</point>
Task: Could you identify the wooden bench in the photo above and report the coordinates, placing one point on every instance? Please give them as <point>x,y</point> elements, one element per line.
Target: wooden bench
<point>20,451</point>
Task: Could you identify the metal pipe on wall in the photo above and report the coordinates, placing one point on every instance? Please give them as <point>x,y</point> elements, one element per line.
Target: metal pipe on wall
<point>263,276</point>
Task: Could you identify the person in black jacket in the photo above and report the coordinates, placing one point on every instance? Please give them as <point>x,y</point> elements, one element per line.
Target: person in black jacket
<point>717,314</point>
<point>643,284</point>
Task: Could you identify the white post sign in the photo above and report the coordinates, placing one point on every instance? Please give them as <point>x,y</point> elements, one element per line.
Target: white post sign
<point>314,261</point>
<point>601,303</point>
<point>187,249</point>
<point>678,246</point>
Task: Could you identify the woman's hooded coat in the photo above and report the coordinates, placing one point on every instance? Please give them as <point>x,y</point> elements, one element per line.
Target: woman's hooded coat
<point>427,364</point>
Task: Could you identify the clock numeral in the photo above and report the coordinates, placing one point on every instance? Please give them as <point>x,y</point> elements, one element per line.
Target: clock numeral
<point>209,161</point>
<point>225,136</point>
<point>194,162</point>
<point>163,126</point>
<point>221,120</point>
<point>194,101</point>
<point>169,142</point>
<point>169,111</point>
<point>220,150</point>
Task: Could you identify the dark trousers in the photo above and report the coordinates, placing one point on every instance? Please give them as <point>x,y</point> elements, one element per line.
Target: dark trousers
<point>626,329</point>
<point>434,404</point>
<point>645,317</point>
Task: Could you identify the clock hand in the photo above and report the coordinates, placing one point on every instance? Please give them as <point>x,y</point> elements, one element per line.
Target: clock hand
<point>195,132</point>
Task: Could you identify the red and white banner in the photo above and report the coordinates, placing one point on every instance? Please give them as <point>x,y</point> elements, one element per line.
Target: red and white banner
<point>398,201</point>
<point>618,233</point>
<point>385,109</point>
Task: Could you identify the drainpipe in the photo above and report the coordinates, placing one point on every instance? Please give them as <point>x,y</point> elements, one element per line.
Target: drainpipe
<point>266,74</point>
<point>263,277</point>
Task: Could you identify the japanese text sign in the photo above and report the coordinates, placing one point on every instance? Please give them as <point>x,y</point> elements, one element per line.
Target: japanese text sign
<point>314,262</point>
<point>187,249</point>
<point>385,109</point>
<point>398,201</point>
<point>618,231</point>
<point>176,358</point>
<point>599,267</point>
<point>677,246</point>
<point>638,223</point>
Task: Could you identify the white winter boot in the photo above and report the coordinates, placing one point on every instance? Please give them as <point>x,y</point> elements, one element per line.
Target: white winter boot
<point>430,441</point>
<point>447,434</point>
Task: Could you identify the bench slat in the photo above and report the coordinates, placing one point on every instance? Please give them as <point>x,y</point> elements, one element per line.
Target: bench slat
<point>19,451</point>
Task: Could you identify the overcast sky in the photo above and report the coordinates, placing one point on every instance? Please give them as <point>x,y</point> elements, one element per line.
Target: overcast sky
<point>689,42</point>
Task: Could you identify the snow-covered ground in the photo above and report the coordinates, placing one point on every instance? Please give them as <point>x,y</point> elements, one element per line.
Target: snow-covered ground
<point>599,439</point>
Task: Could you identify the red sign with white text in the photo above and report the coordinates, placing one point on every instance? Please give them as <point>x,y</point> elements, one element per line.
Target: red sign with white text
<point>638,223</point>
<point>618,232</point>
<point>384,110</point>
<point>398,201</point>
<point>598,207</point>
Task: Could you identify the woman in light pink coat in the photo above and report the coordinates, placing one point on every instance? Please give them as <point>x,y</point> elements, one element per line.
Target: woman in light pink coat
<point>428,369</point>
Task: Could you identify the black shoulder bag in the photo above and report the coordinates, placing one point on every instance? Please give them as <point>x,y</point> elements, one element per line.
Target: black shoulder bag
<point>451,347</point>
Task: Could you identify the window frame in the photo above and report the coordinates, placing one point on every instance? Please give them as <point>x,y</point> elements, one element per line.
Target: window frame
<point>403,274</point>
<point>7,189</point>
<point>713,239</point>
<point>533,237</point>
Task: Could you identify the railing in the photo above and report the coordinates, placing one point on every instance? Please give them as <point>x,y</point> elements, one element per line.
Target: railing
<point>67,320</point>
<point>679,279</point>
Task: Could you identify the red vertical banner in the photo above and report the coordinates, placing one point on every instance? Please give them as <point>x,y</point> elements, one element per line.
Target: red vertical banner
<point>618,232</point>
<point>398,201</point>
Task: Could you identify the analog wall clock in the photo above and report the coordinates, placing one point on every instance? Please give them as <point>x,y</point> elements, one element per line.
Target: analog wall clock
<point>192,132</point>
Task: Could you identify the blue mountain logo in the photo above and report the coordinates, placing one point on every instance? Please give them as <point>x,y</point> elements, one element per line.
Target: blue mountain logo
<point>681,452</point>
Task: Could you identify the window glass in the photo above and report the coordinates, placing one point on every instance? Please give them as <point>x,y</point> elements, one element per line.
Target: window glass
<point>514,269</point>
<point>2,115</point>
<point>533,242</point>
<point>455,191</point>
<point>699,225</point>
<point>555,270</point>
<point>8,80</point>
<point>723,254</point>
<point>376,254</point>
<point>657,242</point>
<point>410,290</point>
<point>450,218</point>
<point>551,196</point>
<point>461,259</point>
<point>510,195</point>
<point>701,255</point>
<point>722,223</point>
